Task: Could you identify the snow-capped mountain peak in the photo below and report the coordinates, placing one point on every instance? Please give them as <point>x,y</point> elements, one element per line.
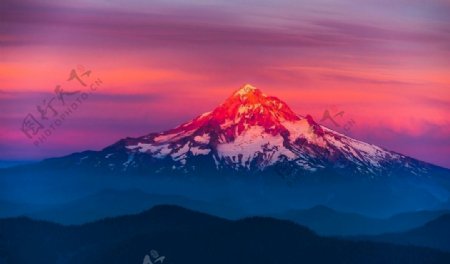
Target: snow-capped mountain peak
<point>253,131</point>
<point>249,106</point>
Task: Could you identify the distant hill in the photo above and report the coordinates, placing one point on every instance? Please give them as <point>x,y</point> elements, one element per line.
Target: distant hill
<point>184,236</point>
<point>12,209</point>
<point>110,203</point>
<point>12,163</point>
<point>327,221</point>
<point>435,234</point>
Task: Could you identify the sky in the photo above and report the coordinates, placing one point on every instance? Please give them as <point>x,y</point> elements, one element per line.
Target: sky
<point>150,65</point>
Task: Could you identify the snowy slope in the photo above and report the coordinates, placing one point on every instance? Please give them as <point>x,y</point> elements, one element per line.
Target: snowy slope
<point>252,131</point>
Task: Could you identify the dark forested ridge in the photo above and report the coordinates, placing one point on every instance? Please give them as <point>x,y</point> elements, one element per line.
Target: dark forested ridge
<point>184,236</point>
<point>434,234</point>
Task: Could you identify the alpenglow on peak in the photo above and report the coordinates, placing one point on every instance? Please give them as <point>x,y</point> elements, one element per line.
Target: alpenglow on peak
<point>252,132</point>
<point>247,88</point>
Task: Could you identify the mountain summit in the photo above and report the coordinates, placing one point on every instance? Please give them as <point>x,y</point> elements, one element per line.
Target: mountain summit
<point>248,107</point>
<point>250,104</point>
<point>246,90</point>
<point>251,131</point>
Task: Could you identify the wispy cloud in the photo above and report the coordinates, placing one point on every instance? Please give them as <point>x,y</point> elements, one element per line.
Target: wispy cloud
<point>165,62</point>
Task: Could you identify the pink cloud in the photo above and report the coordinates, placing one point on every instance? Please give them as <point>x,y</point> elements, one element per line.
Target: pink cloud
<point>165,65</point>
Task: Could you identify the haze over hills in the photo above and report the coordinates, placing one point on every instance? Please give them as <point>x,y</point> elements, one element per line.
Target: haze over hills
<point>434,234</point>
<point>251,152</point>
<point>184,236</point>
<point>112,203</point>
<point>329,222</point>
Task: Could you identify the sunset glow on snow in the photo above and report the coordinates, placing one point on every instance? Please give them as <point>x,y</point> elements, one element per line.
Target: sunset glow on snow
<point>385,64</point>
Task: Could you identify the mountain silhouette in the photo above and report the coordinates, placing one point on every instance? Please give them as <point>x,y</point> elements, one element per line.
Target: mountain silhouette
<point>434,234</point>
<point>184,236</point>
<point>327,221</point>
